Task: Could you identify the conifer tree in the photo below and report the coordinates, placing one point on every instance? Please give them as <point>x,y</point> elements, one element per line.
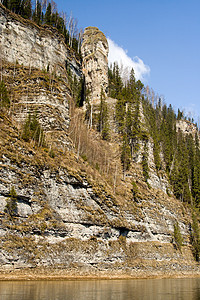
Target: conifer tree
<point>103,124</point>
<point>26,9</point>
<point>195,237</point>
<point>125,154</point>
<point>120,113</point>
<point>37,15</point>
<point>32,130</point>
<point>47,17</point>
<point>145,165</point>
<point>6,3</point>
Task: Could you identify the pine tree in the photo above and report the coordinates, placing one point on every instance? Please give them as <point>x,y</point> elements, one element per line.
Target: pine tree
<point>120,113</point>
<point>37,15</point>
<point>195,237</point>
<point>6,3</point>
<point>15,6</point>
<point>103,124</point>
<point>125,154</point>
<point>32,130</point>
<point>145,165</point>
<point>47,17</point>
<point>26,9</point>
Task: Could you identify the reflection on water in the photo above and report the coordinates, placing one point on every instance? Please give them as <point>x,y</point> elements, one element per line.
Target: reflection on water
<point>186,289</point>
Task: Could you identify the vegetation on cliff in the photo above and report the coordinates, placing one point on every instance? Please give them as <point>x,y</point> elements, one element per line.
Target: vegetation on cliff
<point>181,160</point>
<point>94,164</point>
<point>46,13</point>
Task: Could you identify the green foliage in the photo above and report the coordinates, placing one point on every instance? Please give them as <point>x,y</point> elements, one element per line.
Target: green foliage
<point>178,240</point>
<point>145,165</point>
<point>32,130</point>
<point>103,123</point>
<point>41,13</point>
<point>78,89</point>
<point>11,206</point>
<point>120,114</point>
<point>181,151</point>
<point>47,16</point>
<point>37,15</point>
<point>125,154</point>
<point>4,98</point>
<point>115,82</point>
<point>135,190</point>
<point>195,237</point>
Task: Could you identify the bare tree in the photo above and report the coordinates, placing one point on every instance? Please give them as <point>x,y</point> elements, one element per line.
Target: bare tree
<point>152,97</point>
<point>45,4</point>
<point>80,38</point>
<point>63,15</point>
<point>53,7</point>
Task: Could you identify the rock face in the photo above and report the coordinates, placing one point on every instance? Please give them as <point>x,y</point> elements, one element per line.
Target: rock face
<point>64,221</point>
<point>34,69</point>
<point>94,51</point>
<point>186,127</point>
<point>68,218</point>
<point>43,93</point>
<point>24,42</point>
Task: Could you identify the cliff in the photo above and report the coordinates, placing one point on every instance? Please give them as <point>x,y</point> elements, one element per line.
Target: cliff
<point>35,46</point>
<point>94,51</point>
<point>76,213</point>
<point>70,221</point>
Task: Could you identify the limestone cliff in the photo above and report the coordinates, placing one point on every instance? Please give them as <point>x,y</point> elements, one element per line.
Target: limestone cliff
<point>70,221</point>
<point>75,215</point>
<point>94,51</point>
<point>35,61</point>
<point>42,47</point>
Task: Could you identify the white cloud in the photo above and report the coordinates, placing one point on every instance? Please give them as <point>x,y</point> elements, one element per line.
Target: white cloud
<point>126,63</point>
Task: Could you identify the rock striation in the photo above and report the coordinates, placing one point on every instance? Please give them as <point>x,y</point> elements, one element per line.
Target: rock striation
<point>42,47</point>
<point>94,51</point>
<point>66,221</point>
<point>35,59</point>
<point>68,218</point>
<point>186,127</point>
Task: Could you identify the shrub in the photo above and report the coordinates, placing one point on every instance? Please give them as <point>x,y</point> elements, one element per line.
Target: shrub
<point>178,240</point>
<point>32,130</point>
<point>11,206</point>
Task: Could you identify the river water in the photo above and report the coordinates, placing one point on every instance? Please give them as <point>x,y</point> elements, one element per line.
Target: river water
<point>186,289</point>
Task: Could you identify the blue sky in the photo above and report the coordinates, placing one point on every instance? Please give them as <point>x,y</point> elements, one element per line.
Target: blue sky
<point>163,34</point>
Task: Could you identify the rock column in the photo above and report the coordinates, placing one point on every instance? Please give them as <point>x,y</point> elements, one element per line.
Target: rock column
<point>94,51</point>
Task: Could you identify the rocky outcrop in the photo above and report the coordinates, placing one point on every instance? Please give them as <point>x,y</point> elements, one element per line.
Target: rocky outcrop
<point>94,51</point>
<point>65,219</point>
<point>42,47</point>
<point>44,94</point>
<point>186,127</point>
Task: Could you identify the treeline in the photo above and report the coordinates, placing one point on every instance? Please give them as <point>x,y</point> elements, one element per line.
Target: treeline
<point>127,114</point>
<point>45,12</point>
<point>181,152</point>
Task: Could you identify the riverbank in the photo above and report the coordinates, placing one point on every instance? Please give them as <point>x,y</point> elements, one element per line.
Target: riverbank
<point>61,275</point>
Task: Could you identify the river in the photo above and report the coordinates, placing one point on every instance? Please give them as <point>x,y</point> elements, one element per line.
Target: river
<point>181,289</point>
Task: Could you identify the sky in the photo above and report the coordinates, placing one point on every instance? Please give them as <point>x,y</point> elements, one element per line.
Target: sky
<point>160,39</point>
